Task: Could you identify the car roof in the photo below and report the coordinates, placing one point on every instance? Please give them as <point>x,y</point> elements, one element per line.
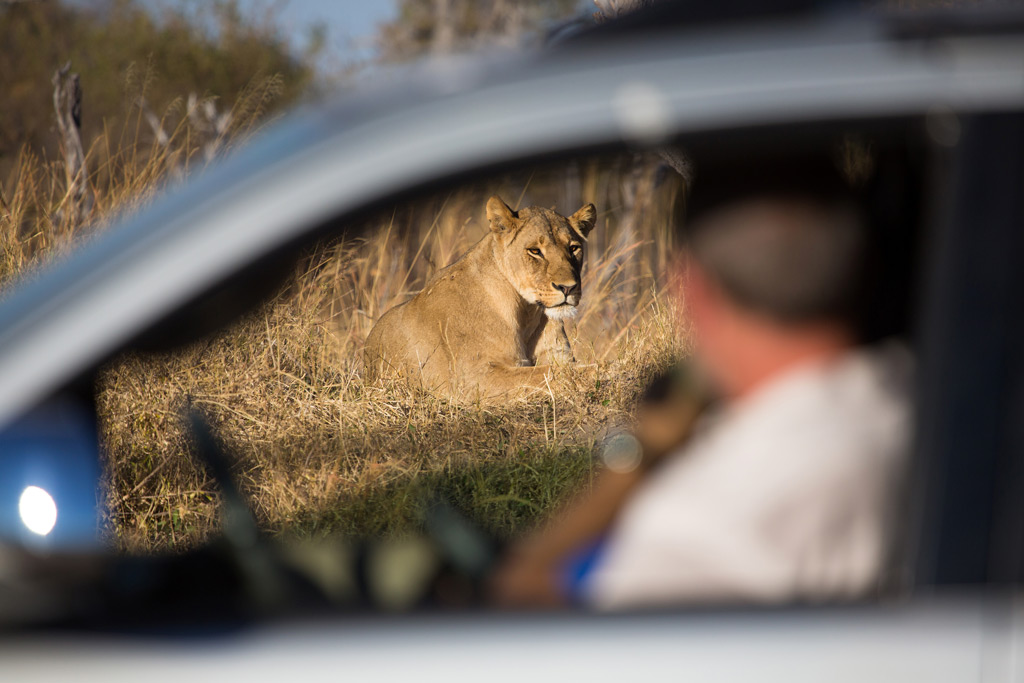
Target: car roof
<point>451,118</point>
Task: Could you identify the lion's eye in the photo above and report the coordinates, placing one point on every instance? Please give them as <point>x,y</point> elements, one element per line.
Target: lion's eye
<point>576,250</point>
<point>535,251</point>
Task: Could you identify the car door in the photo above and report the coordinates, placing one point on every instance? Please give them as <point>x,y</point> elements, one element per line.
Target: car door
<point>966,520</point>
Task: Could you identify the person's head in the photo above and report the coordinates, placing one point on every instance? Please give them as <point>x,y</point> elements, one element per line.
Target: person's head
<point>773,273</point>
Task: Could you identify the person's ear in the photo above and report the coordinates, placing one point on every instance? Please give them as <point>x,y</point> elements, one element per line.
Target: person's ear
<point>503,220</point>
<point>583,220</point>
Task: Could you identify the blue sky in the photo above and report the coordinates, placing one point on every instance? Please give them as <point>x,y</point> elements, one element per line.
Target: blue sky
<point>349,23</point>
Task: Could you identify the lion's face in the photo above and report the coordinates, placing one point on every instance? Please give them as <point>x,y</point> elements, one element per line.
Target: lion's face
<point>541,253</point>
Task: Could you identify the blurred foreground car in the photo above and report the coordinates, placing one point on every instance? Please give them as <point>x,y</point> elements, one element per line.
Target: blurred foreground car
<point>942,98</point>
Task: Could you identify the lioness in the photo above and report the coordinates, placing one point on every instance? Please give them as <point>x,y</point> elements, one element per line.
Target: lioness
<point>473,329</point>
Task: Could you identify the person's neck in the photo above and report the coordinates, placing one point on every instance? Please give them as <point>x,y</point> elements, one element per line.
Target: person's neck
<point>774,349</point>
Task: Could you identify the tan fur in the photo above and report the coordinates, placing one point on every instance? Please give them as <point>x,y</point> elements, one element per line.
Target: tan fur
<point>473,330</point>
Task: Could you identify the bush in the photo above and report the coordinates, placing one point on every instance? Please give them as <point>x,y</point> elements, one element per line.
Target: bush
<point>122,54</point>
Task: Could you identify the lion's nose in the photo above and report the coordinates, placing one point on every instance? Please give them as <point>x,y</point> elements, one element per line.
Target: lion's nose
<point>567,290</point>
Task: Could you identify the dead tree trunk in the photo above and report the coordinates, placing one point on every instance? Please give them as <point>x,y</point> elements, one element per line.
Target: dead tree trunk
<point>67,102</point>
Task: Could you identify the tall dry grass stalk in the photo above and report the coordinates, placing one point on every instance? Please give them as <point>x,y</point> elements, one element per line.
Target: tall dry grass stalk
<point>317,449</point>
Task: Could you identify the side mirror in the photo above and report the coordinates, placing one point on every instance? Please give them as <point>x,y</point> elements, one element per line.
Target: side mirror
<point>50,495</point>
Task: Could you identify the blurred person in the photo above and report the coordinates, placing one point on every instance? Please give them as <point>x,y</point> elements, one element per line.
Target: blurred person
<point>786,488</point>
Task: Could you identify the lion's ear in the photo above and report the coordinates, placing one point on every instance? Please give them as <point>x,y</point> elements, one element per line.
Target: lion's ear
<point>583,220</point>
<point>501,218</point>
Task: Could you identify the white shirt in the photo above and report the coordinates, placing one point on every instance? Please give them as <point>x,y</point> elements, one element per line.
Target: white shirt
<point>788,494</point>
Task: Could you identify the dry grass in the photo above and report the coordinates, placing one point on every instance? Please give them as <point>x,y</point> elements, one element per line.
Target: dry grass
<point>126,167</point>
<point>317,449</point>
